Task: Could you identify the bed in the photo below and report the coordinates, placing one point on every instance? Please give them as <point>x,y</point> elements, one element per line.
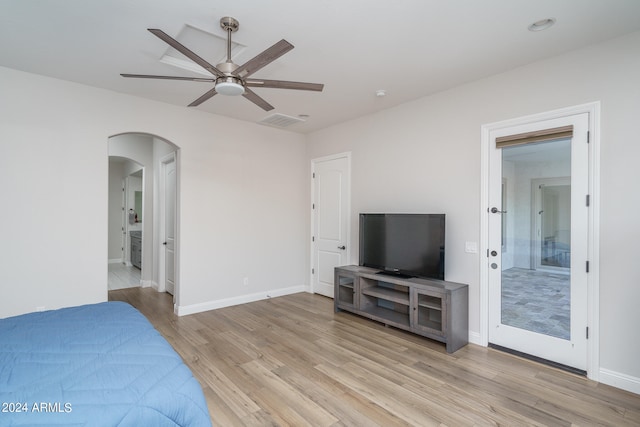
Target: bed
<point>94,365</point>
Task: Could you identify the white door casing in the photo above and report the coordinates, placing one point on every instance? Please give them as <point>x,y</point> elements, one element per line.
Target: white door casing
<point>330,220</point>
<point>586,119</point>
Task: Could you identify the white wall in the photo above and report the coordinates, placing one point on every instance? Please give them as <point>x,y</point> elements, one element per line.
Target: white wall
<point>424,156</point>
<point>243,199</point>
<point>116,174</point>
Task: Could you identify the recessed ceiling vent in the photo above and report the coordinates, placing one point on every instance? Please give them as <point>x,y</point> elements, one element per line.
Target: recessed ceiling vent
<point>280,120</point>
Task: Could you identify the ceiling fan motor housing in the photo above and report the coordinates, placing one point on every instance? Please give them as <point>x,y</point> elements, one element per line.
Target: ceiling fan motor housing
<point>227,67</point>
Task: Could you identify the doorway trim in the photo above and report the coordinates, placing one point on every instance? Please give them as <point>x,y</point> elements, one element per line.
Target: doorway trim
<point>593,284</point>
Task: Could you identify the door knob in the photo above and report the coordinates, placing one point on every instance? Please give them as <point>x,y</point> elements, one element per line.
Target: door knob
<point>495,210</point>
<point>494,253</point>
<point>343,247</point>
<point>164,243</point>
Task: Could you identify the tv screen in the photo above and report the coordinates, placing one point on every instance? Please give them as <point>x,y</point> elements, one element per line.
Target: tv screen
<point>403,244</point>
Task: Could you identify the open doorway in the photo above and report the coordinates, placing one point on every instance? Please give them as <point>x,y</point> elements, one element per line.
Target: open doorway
<point>136,212</point>
<point>126,195</point>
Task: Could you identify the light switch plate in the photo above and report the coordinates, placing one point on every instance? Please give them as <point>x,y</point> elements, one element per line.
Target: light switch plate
<point>471,247</point>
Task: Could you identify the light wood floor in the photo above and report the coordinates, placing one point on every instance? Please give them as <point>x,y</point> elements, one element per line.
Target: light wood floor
<point>293,361</point>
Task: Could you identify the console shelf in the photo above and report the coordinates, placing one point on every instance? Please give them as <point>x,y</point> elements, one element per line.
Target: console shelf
<point>387,294</point>
<point>432,308</point>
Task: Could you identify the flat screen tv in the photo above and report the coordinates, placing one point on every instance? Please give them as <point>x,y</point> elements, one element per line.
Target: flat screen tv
<point>408,245</point>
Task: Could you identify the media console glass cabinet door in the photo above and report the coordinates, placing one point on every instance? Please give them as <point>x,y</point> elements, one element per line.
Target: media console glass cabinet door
<point>345,290</point>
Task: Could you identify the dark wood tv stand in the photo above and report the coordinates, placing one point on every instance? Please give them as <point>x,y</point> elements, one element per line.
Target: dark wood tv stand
<point>432,308</point>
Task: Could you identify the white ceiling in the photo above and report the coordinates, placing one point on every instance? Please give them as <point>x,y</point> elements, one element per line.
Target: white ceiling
<point>410,48</point>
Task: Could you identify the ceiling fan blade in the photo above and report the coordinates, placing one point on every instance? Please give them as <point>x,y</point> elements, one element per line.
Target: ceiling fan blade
<point>283,84</point>
<point>253,97</point>
<point>147,76</point>
<point>203,98</point>
<point>185,51</point>
<point>264,58</point>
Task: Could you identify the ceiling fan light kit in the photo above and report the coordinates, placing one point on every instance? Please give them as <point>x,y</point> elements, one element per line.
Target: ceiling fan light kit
<point>229,86</point>
<point>229,78</point>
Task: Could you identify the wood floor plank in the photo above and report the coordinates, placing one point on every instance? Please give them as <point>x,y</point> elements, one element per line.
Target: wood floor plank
<point>292,361</point>
<point>556,401</point>
<point>225,388</point>
<point>225,416</point>
<point>380,393</point>
<point>299,405</point>
<point>349,411</point>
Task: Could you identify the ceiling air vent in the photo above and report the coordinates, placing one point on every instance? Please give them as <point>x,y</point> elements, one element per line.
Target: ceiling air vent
<point>280,120</point>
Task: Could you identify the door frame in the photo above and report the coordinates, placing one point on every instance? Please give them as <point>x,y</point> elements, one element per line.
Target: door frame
<point>171,157</point>
<point>312,221</point>
<point>593,284</point>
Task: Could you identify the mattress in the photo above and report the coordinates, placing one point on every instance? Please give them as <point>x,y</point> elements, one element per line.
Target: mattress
<point>94,365</point>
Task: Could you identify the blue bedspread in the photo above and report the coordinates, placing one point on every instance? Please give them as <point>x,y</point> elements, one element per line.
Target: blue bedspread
<point>94,365</point>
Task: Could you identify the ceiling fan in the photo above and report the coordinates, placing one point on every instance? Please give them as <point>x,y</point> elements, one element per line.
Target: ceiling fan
<point>229,78</point>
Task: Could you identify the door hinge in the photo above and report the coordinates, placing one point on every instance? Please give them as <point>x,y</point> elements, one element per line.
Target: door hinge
<point>313,271</point>
<point>313,238</point>
<point>588,199</point>
<point>313,206</point>
<point>588,137</point>
<point>487,252</point>
<point>587,266</point>
<point>313,175</point>
<point>587,332</point>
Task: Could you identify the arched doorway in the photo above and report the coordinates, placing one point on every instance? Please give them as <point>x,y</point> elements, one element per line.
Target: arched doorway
<point>148,152</point>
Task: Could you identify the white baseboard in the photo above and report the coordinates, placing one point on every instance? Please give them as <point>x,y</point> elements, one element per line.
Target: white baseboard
<point>148,284</point>
<point>474,338</point>
<point>184,310</point>
<point>618,380</point>
<point>115,261</point>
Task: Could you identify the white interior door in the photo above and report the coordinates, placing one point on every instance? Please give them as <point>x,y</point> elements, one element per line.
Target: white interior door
<point>169,226</point>
<point>331,212</point>
<point>540,311</point>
